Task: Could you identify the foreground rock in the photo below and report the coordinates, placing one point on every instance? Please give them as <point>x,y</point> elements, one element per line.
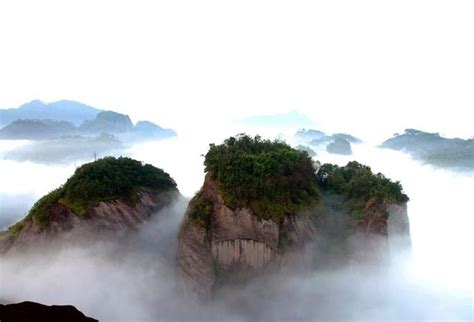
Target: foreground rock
<point>30,311</point>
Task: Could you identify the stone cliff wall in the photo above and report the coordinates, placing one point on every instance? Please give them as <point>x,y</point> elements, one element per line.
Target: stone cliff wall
<point>242,253</point>
<point>238,245</point>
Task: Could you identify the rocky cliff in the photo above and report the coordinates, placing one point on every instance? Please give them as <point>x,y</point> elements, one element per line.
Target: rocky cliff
<point>235,246</point>
<point>233,232</point>
<point>110,218</point>
<point>108,197</point>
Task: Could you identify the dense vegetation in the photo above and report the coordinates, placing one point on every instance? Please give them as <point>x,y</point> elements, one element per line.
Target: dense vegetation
<point>306,149</point>
<point>105,179</point>
<point>269,177</point>
<point>201,210</point>
<point>41,209</point>
<point>360,187</point>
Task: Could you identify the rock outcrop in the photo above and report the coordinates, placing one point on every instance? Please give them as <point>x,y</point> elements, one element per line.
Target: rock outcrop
<point>112,218</point>
<point>236,246</point>
<point>254,215</point>
<point>30,311</point>
<point>398,228</point>
<point>109,196</point>
<point>382,234</point>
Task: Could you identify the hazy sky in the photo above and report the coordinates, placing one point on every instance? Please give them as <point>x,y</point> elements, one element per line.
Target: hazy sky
<point>360,66</point>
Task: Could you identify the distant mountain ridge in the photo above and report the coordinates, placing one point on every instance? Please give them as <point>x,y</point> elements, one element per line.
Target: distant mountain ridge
<point>433,148</point>
<point>63,110</point>
<point>337,143</point>
<point>39,121</point>
<point>37,129</point>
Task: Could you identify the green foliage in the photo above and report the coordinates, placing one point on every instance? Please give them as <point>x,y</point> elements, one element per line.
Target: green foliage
<point>357,182</point>
<point>41,209</point>
<point>269,177</point>
<point>105,179</point>
<point>15,229</point>
<point>201,210</point>
<point>306,149</point>
<point>284,242</point>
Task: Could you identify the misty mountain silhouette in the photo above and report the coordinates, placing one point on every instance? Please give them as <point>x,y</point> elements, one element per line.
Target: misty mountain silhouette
<point>434,149</point>
<point>64,110</point>
<point>39,121</point>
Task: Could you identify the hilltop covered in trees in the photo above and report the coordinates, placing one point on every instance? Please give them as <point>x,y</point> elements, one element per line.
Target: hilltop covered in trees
<point>105,179</point>
<point>269,177</point>
<point>359,187</point>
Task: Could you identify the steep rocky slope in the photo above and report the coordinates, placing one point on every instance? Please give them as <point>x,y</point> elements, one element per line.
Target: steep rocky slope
<point>296,219</point>
<point>237,244</point>
<point>107,197</point>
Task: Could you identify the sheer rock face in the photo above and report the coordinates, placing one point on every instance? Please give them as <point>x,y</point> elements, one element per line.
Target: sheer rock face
<point>237,246</point>
<point>195,265</point>
<point>398,228</point>
<point>111,218</point>
<point>384,232</point>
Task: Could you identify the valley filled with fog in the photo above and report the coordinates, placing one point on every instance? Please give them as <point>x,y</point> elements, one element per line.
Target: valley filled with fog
<point>134,279</point>
<point>237,160</point>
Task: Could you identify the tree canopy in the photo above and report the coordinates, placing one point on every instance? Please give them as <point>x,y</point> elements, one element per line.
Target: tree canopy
<point>267,176</point>
<point>356,181</point>
<point>105,179</point>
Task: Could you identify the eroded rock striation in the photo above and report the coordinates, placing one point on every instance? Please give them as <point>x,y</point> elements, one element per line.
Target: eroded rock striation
<point>112,218</point>
<point>297,219</point>
<point>236,246</point>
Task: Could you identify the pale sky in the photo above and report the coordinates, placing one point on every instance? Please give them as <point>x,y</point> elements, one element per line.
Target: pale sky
<point>355,66</point>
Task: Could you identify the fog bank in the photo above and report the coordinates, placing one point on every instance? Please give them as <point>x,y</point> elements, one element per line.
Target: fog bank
<point>135,279</point>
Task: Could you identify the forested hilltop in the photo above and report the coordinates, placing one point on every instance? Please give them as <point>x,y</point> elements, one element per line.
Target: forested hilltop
<point>263,202</point>
<point>104,180</point>
<point>270,177</point>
